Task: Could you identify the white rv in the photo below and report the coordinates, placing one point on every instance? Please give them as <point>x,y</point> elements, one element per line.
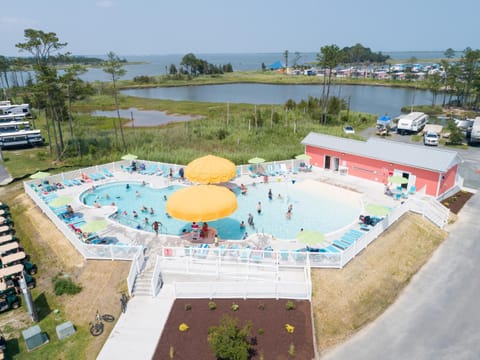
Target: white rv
<point>412,123</point>
<point>475,134</point>
<point>8,109</point>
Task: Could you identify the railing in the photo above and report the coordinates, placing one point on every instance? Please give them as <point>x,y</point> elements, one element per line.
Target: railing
<point>138,262</point>
<point>243,289</point>
<point>157,281</point>
<point>88,251</point>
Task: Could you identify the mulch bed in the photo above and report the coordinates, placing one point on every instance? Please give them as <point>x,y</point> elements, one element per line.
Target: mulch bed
<point>455,202</point>
<point>274,343</point>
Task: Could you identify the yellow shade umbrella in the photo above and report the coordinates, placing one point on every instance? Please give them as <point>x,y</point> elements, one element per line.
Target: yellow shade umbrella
<point>210,169</point>
<point>202,203</point>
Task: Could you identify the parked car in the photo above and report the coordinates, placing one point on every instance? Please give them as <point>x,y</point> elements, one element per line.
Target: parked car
<point>348,130</point>
<point>430,138</point>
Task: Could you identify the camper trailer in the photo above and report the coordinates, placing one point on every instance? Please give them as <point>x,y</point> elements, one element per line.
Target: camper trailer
<point>475,134</point>
<point>15,109</point>
<point>412,123</point>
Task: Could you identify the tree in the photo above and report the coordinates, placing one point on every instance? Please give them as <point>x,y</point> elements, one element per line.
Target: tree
<point>228,341</point>
<point>434,83</point>
<point>114,67</point>
<point>296,59</point>
<point>449,53</point>
<point>74,88</point>
<point>43,46</point>
<point>285,55</point>
<point>189,61</point>
<point>173,70</point>
<point>329,58</point>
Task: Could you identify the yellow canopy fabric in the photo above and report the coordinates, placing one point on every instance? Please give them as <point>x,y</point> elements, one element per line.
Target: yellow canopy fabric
<point>210,169</point>
<point>202,203</point>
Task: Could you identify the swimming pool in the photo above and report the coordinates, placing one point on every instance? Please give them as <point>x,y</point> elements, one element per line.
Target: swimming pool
<point>315,206</point>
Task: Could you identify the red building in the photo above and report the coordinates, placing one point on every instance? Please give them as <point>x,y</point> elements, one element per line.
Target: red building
<point>428,169</point>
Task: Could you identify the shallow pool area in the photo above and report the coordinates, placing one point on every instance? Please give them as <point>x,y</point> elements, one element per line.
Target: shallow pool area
<point>315,206</point>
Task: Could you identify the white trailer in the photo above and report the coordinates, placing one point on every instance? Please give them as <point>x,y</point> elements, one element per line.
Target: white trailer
<point>412,123</point>
<point>475,134</point>
<point>16,109</point>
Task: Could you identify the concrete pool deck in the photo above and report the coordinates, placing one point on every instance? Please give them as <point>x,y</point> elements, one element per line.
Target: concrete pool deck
<point>369,193</point>
<point>137,332</point>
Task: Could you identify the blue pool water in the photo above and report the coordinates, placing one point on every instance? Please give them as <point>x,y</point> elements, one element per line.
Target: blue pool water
<point>311,211</point>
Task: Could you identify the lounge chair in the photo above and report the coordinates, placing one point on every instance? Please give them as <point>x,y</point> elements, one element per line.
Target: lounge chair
<point>365,227</point>
<point>67,182</point>
<point>412,190</point>
<point>346,240</point>
<point>245,254</point>
<point>278,169</point>
<point>284,255</point>
<point>203,250</point>
<point>339,244</point>
<point>283,168</point>
<point>107,172</point>
<point>330,249</point>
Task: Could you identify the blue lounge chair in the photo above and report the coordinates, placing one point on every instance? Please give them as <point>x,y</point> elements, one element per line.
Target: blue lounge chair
<point>365,227</point>
<point>107,172</point>
<point>245,254</point>
<point>67,182</point>
<point>340,244</point>
<point>284,255</point>
<point>330,249</point>
<point>354,231</point>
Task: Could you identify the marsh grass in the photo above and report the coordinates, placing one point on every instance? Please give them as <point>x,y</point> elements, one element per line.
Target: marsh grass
<point>228,131</point>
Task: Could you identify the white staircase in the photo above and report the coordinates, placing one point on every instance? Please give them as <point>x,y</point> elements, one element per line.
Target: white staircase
<point>143,283</point>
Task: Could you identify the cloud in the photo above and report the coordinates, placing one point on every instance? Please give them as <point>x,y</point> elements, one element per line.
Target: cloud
<point>104,3</point>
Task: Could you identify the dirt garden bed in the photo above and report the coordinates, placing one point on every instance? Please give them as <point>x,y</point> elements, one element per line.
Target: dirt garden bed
<point>456,202</point>
<point>268,318</point>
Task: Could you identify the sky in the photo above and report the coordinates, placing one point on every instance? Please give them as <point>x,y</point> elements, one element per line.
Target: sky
<point>145,27</point>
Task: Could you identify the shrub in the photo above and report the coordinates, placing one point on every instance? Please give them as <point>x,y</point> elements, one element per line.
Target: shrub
<point>188,307</point>
<point>290,328</point>
<point>229,341</point>
<point>235,307</point>
<point>64,285</point>
<point>261,306</point>
<point>261,331</point>
<point>291,350</point>
<point>183,327</point>
<point>290,305</point>
<point>212,305</point>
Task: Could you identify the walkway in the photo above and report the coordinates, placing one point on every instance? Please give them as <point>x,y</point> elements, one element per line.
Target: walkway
<point>137,332</point>
<point>437,315</point>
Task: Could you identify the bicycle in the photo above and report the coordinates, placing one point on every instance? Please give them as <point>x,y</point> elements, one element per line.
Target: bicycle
<point>96,328</point>
<point>123,303</point>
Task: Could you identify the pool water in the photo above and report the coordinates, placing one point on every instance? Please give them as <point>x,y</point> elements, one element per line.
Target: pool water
<point>311,210</point>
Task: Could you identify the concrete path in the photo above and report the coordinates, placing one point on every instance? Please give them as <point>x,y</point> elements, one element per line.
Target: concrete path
<point>137,332</point>
<point>437,316</point>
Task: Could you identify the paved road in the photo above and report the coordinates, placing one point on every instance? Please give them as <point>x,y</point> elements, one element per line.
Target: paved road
<point>437,316</point>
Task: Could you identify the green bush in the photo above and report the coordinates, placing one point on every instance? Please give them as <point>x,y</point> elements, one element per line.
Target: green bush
<point>64,285</point>
<point>188,307</point>
<point>290,305</point>
<point>229,341</point>
<point>235,307</point>
<point>212,305</point>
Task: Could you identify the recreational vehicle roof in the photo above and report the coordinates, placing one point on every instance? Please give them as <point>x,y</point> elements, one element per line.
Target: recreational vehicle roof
<point>10,270</point>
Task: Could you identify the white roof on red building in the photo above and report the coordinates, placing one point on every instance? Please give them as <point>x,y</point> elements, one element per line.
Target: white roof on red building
<point>423,157</point>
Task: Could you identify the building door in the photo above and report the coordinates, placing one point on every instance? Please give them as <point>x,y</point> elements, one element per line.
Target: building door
<point>336,163</point>
<point>327,161</point>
